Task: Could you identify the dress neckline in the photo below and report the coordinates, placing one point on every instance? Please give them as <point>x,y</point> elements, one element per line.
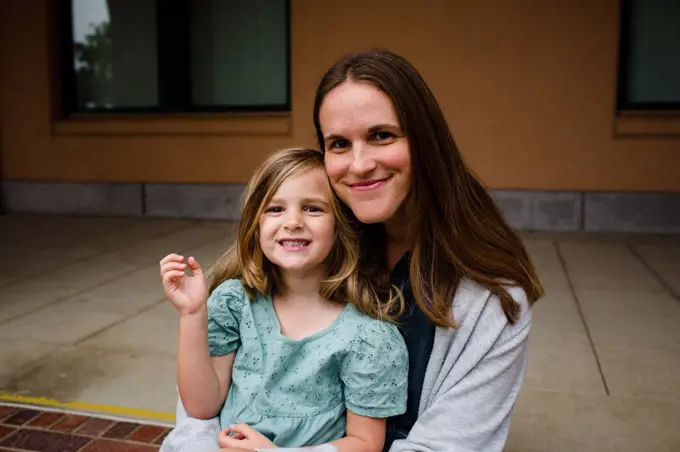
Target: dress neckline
<point>274,318</point>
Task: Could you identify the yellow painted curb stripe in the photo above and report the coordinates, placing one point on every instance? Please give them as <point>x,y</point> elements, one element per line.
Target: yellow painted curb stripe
<point>138,413</point>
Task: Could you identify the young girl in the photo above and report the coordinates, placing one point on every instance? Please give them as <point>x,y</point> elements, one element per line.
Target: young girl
<point>291,330</point>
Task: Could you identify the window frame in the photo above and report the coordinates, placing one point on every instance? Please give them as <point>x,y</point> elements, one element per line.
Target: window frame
<point>623,82</point>
<point>171,100</point>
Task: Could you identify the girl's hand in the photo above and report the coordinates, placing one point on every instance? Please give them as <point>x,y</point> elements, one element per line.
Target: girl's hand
<point>245,437</point>
<point>187,293</point>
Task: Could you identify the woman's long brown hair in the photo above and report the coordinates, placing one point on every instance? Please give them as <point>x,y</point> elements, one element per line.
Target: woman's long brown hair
<point>455,229</point>
<point>344,280</point>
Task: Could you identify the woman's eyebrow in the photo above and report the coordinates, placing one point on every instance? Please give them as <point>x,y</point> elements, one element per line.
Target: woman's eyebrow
<point>372,129</point>
<point>383,126</point>
<point>332,136</point>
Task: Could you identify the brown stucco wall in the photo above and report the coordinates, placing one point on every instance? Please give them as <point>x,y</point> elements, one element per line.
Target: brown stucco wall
<point>528,88</point>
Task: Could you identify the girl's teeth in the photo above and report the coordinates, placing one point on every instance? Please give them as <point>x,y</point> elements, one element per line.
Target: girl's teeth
<point>294,243</point>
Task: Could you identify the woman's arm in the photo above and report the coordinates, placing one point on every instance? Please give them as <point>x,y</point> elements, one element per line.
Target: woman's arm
<point>191,434</point>
<point>203,381</point>
<point>474,413</point>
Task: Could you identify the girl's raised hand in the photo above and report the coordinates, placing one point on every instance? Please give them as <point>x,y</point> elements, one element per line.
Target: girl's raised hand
<point>187,293</point>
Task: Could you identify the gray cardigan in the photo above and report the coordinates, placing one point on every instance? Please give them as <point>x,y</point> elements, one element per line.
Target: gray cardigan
<point>472,380</point>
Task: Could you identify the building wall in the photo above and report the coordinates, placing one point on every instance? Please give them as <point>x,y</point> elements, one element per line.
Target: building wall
<point>528,88</point>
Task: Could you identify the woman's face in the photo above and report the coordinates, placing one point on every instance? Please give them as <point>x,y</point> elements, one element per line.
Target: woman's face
<point>368,159</point>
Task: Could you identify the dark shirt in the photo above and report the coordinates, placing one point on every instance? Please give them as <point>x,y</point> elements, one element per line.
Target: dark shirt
<point>418,333</point>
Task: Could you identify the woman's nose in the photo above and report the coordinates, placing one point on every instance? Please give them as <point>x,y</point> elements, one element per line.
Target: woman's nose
<point>362,161</point>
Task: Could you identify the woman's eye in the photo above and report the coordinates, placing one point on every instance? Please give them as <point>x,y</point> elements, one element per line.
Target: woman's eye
<point>383,135</point>
<point>338,144</point>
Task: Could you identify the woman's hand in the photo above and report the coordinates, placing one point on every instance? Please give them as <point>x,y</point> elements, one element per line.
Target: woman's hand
<point>245,437</point>
<point>187,293</point>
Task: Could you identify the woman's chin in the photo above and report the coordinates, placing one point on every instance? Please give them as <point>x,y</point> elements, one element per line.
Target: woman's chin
<point>372,214</point>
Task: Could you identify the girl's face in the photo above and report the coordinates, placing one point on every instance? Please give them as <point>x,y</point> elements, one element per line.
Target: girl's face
<point>297,228</point>
<point>368,158</point>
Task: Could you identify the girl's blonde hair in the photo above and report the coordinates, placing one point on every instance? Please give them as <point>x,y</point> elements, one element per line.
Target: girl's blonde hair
<point>344,281</point>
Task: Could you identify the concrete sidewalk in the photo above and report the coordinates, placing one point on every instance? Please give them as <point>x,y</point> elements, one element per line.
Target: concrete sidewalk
<point>83,325</point>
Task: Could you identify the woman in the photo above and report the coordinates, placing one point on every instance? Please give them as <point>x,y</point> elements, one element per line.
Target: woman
<point>435,231</point>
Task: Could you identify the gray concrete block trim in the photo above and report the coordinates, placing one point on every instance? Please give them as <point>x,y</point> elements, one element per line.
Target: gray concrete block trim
<point>203,201</point>
<point>656,213</point>
<point>541,210</point>
<point>524,209</point>
<point>109,198</point>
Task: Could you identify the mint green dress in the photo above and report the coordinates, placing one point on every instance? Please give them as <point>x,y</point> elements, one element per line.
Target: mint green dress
<point>296,392</point>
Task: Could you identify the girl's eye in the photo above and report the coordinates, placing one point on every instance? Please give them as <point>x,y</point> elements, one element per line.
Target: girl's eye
<point>275,209</point>
<point>314,209</point>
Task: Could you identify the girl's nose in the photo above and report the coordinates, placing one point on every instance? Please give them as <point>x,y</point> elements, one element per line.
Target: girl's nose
<point>293,222</point>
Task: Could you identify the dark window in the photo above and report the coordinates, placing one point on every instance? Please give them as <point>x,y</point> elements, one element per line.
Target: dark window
<point>175,55</point>
<point>649,67</point>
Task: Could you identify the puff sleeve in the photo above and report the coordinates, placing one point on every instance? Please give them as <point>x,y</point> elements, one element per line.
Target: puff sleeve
<point>224,316</point>
<point>375,372</point>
